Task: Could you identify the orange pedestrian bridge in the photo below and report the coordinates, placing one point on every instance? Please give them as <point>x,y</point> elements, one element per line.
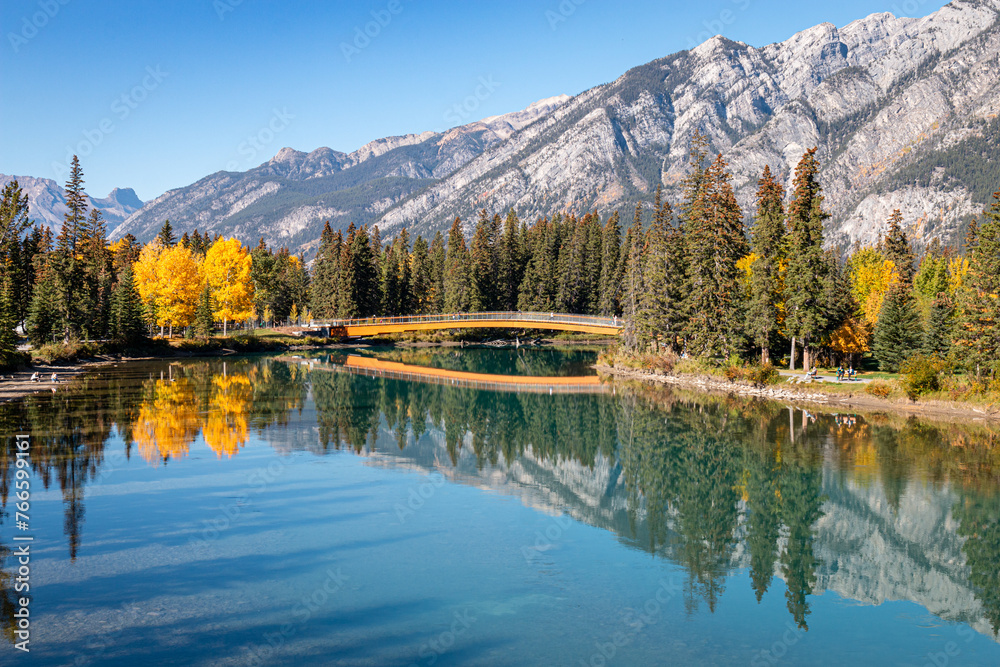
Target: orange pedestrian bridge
<point>373,326</point>
<point>378,368</point>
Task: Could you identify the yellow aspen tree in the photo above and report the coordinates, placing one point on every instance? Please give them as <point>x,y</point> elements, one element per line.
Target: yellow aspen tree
<point>179,282</point>
<point>227,270</point>
<point>145,278</point>
<point>871,277</point>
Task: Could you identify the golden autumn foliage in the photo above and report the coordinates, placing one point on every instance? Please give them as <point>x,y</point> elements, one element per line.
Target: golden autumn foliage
<point>958,269</point>
<point>871,276</point>
<point>167,423</point>
<point>180,284</point>
<point>226,428</point>
<point>745,266</point>
<point>169,279</point>
<point>227,270</point>
<point>851,337</point>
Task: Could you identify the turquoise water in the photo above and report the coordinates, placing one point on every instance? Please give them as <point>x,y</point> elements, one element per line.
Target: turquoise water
<point>285,512</point>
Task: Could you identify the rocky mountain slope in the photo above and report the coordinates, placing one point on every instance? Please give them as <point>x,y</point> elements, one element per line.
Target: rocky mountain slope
<point>287,199</point>
<point>47,202</point>
<point>903,111</point>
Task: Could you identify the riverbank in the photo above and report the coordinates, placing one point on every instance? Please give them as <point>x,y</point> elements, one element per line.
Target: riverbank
<point>833,397</point>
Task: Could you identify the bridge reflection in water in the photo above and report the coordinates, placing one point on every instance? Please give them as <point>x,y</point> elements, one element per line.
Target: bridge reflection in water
<point>372,326</point>
<point>368,366</point>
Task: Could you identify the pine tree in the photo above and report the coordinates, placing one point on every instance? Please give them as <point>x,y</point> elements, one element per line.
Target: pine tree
<point>609,287</point>
<point>126,325</point>
<point>67,267</point>
<point>98,276</point>
<point>483,256</point>
<point>8,321</point>
<point>422,278</point>
<point>166,235</point>
<point>323,290</point>
<point>977,338</point>
<point>438,256</point>
<point>456,271</point>
<point>204,321</point>
<point>716,242</point>
<point>897,248</point>
<point>805,277</point>
<point>661,315</point>
<point>510,259</point>
<point>768,245</point>
<point>631,298</point>
<point>897,334</point>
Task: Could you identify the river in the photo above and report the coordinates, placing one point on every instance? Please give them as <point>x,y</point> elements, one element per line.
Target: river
<point>486,507</point>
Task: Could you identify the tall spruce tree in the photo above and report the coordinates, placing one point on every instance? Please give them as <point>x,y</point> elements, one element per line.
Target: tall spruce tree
<point>977,337</point>
<point>438,257</point>
<point>609,286</point>
<point>898,334</point>
<point>456,271</point>
<point>126,325</point>
<point>166,235</point>
<point>716,242</point>
<point>510,269</point>
<point>632,255</point>
<point>661,315</point>
<point>326,270</point>
<point>67,264</point>
<point>768,246</point>
<point>483,269</point>
<point>8,320</point>
<point>805,276</point>
<point>422,278</point>
<point>897,248</point>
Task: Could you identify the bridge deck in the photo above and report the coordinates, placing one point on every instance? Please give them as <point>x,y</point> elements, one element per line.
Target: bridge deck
<point>372,326</point>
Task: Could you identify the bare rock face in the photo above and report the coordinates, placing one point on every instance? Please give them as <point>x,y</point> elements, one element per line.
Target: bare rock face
<point>895,105</point>
<point>903,112</point>
<point>287,199</point>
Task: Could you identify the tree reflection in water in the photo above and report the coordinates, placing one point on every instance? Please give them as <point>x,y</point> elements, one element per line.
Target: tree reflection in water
<point>704,478</point>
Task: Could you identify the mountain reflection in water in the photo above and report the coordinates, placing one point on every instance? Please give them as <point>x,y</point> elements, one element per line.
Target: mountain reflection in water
<point>878,508</point>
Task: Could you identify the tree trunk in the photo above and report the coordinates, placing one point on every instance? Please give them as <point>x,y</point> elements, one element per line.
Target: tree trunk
<point>765,355</point>
<point>791,359</point>
<point>224,323</point>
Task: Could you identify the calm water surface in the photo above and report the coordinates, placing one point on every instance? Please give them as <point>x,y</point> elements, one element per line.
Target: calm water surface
<point>304,511</point>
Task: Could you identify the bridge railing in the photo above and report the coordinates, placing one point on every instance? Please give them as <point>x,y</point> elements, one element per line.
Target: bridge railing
<point>516,316</point>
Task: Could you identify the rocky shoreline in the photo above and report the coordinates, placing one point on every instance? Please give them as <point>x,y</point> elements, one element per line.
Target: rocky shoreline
<point>811,394</point>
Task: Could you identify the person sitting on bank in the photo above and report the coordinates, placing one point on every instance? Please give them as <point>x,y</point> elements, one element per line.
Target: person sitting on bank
<point>55,378</point>
<point>34,377</point>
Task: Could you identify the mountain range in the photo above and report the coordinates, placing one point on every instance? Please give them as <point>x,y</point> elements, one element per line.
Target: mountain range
<point>903,112</point>
<point>47,202</point>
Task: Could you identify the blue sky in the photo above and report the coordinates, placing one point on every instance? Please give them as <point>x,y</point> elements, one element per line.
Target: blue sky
<point>155,95</point>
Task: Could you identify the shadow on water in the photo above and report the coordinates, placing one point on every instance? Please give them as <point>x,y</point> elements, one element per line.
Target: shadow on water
<point>713,484</point>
